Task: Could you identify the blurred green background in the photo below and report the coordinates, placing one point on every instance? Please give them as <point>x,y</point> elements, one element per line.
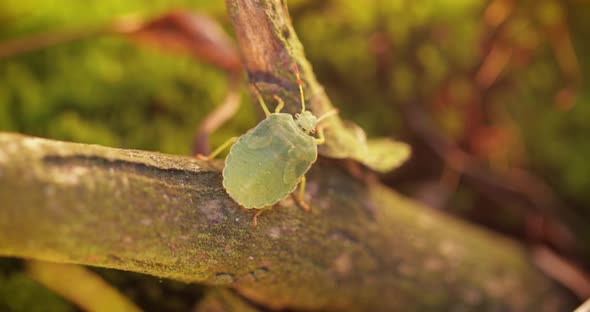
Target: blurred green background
<point>501,80</point>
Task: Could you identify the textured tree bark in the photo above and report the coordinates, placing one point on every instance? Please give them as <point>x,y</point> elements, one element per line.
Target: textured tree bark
<point>363,247</point>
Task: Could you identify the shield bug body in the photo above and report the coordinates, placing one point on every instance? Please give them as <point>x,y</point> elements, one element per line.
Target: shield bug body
<point>268,162</point>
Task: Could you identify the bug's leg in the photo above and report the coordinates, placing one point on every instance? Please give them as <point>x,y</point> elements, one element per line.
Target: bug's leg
<point>255,219</point>
<point>302,185</point>
<point>280,105</point>
<point>215,119</point>
<point>321,138</point>
<point>261,100</point>
<point>220,149</point>
<point>301,195</point>
<point>300,201</point>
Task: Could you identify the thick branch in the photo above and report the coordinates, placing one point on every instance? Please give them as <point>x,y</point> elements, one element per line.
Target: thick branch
<point>362,248</point>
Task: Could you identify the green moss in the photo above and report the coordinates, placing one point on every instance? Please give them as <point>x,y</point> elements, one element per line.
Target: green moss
<point>107,90</point>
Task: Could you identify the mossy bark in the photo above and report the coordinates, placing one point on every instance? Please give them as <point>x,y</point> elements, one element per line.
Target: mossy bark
<point>363,247</point>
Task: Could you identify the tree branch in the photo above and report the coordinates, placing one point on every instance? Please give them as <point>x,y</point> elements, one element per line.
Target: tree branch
<point>362,248</point>
<point>270,48</point>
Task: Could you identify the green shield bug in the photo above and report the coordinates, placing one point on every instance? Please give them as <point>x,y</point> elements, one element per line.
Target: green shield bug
<point>268,162</point>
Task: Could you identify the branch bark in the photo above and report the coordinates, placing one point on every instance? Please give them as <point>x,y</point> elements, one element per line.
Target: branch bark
<point>362,248</point>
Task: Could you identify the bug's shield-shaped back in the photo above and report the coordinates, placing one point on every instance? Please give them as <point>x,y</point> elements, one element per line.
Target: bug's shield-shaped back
<point>267,163</point>
<point>296,166</point>
<point>257,141</point>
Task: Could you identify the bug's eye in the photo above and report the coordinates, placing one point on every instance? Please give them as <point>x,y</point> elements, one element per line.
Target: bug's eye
<point>297,116</point>
<point>313,131</point>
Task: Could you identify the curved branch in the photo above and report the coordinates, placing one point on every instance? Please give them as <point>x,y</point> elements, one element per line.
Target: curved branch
<point>362,248</point>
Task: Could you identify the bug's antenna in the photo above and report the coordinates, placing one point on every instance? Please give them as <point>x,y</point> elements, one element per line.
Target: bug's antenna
<point>300,84</point>
<point>328,114</point>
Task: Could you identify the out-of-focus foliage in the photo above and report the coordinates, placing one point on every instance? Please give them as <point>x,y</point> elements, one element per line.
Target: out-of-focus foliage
<point>81,286</point>
<point>106,90</point>
<point>19,292</point>
<point>554,115</point>
<point>500,79</point>
<point>154,294</point>
<point>365,50</point>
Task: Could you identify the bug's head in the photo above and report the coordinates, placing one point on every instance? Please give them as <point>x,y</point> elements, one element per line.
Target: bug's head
<point>306,122</point>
